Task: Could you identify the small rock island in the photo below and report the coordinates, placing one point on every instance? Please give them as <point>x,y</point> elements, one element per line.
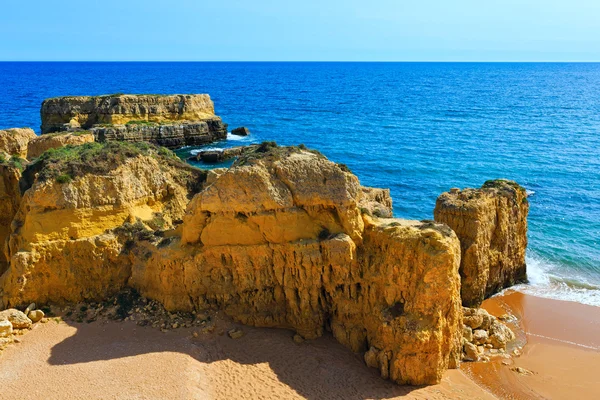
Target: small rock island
<point>284,238</point>
<point>171,121</point>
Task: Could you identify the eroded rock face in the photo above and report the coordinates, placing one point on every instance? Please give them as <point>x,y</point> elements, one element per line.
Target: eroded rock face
<point>279,241</point>
<point>171,121</point>
<point>63,245</point>
<point>10,198</point>
<point>14,141</point>
<point>40,144</point>
<point>491,224</point>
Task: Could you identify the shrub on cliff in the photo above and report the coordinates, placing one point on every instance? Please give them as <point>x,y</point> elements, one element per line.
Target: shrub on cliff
<point>93,158</point>
<point>272,152</point>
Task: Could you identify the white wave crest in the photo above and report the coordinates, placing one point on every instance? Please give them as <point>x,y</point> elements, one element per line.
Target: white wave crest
<point>545,280</point>
<point>237,138</point>
<point>196,151</point>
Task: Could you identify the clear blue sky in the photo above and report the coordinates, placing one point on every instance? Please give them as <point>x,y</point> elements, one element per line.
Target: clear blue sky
<point>386,30</point>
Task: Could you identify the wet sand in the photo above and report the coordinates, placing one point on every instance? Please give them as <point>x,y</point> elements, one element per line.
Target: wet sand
<point>562,351</point>
<point>119,360</point>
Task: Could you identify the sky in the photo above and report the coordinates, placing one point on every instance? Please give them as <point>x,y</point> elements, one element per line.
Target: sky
<point>306,30</point>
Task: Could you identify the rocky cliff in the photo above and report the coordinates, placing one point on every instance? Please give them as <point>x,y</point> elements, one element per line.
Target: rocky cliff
<point>284,238</point>
<point>63,245</point>
<point>10,197</point>
<point>278,240</point>
<point>14,142</point>
<point>491,224</point>
<point>171,121</point>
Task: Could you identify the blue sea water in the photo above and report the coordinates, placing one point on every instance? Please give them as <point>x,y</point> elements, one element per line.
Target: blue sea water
<point>416,128</point>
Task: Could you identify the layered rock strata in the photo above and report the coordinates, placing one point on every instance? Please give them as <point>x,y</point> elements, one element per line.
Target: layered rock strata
<point>491,224</point>
<point>278,240</point>
<point>171,121</point>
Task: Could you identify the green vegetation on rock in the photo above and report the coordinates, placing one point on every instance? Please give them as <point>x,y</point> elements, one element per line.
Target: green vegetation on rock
<point>13,161</point>
<point>272,152</point>
<point>67,163</point>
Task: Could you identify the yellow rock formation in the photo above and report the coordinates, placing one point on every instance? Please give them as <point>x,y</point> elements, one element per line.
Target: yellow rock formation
<point>86,111</point>
<point>284,238</point>
<point>40,144</point>
<point>14,141</point>
<point>491,224</point>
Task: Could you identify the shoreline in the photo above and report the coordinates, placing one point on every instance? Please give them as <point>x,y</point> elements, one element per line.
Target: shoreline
<point>561,354</point>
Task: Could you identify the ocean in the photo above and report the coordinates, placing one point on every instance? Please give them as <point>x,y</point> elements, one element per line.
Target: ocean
<point>416,128</point>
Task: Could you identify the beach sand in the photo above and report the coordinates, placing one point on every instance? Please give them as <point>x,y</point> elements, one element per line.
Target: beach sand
<point>120,360</point>
<point>562,351</point>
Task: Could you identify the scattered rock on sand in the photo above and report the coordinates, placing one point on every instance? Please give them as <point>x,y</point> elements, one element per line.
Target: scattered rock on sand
<point>521,371</point>
<point>29,308</point>
<point>36,315</point>
<point>500,334</point>
<point>298,339</point>
<point>6,329</point>
<point>17,318</point>
<point>467,333</point>
<point>471,352</point>
<point>235,333</point>
<point>241,131</point>
<point>480,336</point>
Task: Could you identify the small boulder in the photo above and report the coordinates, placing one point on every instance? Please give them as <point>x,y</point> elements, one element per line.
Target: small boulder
<point>211,156</point>
<point>472,317</point>
<point>298,339</point>
<point>500,335</point>
<point>371,358</point>
<point>29,308</point>
<point>480,336</point>
<point>17,318</point>
<point>36,315</point>
<point>521,371</point>
<point>241,131</point>
<point>235,333</point>
<point>467,333</point>
<point>471,352</point>
<point>6,329</point>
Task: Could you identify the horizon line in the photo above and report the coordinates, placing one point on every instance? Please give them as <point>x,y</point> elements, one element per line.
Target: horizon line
<point>312,61</point>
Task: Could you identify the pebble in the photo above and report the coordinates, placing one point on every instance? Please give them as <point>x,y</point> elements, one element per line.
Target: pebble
<point>235,333</point>
<point>298,339</point>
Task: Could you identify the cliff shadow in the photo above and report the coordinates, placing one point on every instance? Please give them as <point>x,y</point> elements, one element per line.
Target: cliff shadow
<point>316,369</point>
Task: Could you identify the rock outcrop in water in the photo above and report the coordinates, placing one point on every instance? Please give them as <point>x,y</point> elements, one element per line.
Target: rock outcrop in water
<point>491,224</point>
<point>278,240</point>
<point>171,121</point>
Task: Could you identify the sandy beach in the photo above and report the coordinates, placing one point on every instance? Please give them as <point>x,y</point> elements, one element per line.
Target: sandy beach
<point>561,356</point>
<point>120,360</point>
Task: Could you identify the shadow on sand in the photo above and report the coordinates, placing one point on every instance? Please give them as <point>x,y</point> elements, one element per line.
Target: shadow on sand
<point>317,369</point>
